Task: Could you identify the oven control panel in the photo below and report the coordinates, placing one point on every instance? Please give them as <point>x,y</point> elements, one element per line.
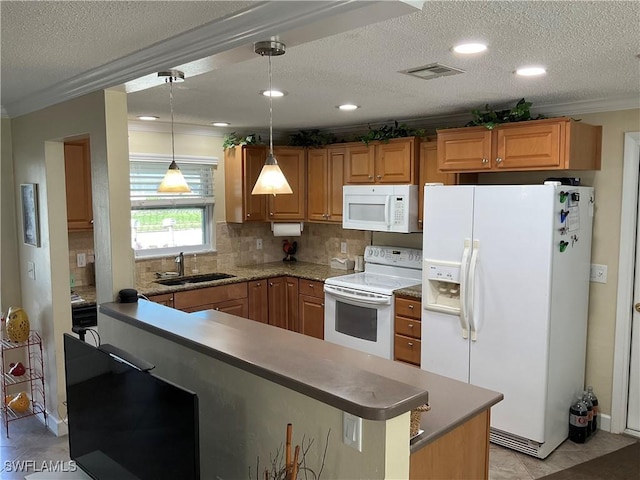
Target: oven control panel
<point>396,256</point>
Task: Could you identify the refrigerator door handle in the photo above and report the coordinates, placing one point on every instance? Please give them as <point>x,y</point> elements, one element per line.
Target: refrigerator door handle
<point>464,264</point>
<point>472,288</point>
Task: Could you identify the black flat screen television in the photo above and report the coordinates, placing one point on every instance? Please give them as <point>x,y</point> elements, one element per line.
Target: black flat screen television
<point>126,423</point>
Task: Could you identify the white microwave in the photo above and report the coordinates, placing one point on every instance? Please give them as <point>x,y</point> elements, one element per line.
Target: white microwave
<point>380,208</point>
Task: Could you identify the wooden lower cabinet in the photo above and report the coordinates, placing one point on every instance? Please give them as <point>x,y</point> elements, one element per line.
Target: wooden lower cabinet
<point>165,299</point>
<point>258,301</point>
<point>311,308</point>
<point>407,344</point>
<point>212,298</point>
<point>463,453</point>
<point>283,302</point>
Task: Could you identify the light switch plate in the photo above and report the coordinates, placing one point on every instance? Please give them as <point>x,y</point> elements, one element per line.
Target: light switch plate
<point>598,273</point>
<point>258,244</point>
<point>352,431</point>
<point>31,270</point>
<point>343,247</point>
<point>81,260</point>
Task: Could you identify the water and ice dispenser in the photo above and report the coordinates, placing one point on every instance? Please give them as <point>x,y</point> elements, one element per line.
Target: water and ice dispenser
<point>442,286</point>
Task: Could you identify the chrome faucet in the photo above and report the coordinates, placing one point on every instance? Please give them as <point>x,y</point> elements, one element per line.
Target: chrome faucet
<point>180,264</point>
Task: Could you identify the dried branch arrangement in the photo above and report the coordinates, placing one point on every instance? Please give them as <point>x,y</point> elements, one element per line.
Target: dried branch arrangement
<point>291,467</point>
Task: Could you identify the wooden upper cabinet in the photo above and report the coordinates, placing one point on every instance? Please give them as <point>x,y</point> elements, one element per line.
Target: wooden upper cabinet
<point>550,144</point>
<point>325,177</point>
<point>394,162</point>
<point>77,168</point>
<point>291,206</point>
<point>242,165</point>
<point>360,163</point>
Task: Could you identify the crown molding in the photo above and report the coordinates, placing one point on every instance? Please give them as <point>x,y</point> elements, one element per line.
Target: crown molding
<point>257,22</point>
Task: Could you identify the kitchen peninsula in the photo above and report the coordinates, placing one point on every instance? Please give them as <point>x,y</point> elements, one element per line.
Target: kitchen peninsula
<point>253,379</point>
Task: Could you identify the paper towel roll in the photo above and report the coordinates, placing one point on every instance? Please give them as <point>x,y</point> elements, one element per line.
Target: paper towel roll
<point>287,229</point>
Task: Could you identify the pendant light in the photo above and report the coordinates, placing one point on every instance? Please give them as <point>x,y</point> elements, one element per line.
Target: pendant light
<point>271,179</point>
<point>173,181</point>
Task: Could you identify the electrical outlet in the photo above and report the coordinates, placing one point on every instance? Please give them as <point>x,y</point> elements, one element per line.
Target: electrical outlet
<point>598,273</point>
<point>81,260</point>
<point>343,247</point>
<point>258,243</point>
<point>352,431</point>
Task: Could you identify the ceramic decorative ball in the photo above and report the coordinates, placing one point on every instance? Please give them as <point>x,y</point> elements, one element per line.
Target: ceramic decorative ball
<point>17,325</point>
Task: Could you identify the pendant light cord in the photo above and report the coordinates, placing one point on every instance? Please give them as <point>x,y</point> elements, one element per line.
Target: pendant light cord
<point>270,111</point>
<point>173,149</point>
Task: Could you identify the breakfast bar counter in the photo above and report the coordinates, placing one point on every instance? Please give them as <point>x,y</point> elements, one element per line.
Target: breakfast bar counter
<point>379,391</point>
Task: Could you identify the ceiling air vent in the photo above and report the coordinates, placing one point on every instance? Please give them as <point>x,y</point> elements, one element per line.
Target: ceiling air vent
<point>433,70</point>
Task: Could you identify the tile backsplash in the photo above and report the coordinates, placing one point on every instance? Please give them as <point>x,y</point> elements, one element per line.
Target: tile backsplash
<point>236,245</point>
<point>81,242</point>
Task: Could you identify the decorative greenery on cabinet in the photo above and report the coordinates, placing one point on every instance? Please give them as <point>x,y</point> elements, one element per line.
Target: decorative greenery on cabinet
<point>491,118</point>
<point>233,140</point>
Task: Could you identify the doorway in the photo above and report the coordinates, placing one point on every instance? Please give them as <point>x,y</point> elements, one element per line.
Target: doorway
<point>625,411</point>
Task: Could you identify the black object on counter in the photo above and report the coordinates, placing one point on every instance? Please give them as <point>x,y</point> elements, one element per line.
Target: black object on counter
<point>128,295</point>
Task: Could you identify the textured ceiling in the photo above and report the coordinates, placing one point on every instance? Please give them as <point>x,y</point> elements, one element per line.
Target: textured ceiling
<point>589,48</point>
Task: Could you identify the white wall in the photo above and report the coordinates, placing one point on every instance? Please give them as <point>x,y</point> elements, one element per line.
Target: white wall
<point>9,272</point>
<point>39,158</point>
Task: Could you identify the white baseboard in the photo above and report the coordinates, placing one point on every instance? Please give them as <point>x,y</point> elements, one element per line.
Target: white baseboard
<point>57,426</point>
<point>604,422</point>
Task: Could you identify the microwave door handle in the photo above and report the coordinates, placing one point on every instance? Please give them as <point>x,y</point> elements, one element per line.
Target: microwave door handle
<point>349,296</point>
<point>387,212</point>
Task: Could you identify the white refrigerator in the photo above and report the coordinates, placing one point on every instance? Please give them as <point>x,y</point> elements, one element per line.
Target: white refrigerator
<point>505,296</point>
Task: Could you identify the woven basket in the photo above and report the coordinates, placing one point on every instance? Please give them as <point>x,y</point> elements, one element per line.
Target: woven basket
<point>416,413</point>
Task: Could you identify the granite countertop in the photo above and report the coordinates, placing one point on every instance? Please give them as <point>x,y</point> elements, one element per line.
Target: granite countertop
<point>146,284</point>
<point>310,271</point>
<point>364,385</point>
<point>415,291</point>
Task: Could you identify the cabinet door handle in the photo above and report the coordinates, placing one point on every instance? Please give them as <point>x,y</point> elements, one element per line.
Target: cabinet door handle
<point>311,285</point>
<point>217,308</point>
<point>485,161</point>
<point>258,284</point>
<point>322,305</point>
<point>370,177</point>
<point>498,160</point>
<point>409,344</point>
<point>271,284</point>
<point>379,177</point>
<point>271,213</point>
<point>411,325</point>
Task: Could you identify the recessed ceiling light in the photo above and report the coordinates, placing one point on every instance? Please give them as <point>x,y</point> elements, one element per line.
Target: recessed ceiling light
<point>220,124</point>
<point>348,107</point>
<point>468,48</point>
<point>531,71</point>
<point>147,117</point>
<point>272,93</point>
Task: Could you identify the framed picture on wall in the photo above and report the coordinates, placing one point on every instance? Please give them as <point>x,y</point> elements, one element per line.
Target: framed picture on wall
<point>30,215</point>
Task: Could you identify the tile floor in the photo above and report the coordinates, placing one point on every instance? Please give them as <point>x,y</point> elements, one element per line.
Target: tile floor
<point>28,440</point>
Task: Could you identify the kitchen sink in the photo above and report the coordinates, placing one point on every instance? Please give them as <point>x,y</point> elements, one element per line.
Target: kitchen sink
<point>194,279</point>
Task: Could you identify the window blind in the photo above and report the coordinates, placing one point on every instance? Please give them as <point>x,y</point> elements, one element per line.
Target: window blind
<point>145,176</point>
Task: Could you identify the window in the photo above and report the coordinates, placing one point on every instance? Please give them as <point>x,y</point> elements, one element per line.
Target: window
<point>166,223</point>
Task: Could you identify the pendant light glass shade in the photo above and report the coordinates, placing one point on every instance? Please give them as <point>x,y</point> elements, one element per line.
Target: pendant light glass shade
<point>271,179</point>
<point>173,181</point>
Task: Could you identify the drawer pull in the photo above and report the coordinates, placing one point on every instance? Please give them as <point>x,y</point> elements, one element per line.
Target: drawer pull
<point>411,325</point>
<point>410,344</point>
<point>258,284</point>
<point>271,284</point>
<point>411,307</point>
<point>310,285</point>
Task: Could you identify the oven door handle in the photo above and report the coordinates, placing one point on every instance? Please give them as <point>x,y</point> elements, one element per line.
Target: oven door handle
<point>340,293</point>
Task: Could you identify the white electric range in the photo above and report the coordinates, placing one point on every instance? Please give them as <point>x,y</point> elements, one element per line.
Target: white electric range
<point>359,307</point>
